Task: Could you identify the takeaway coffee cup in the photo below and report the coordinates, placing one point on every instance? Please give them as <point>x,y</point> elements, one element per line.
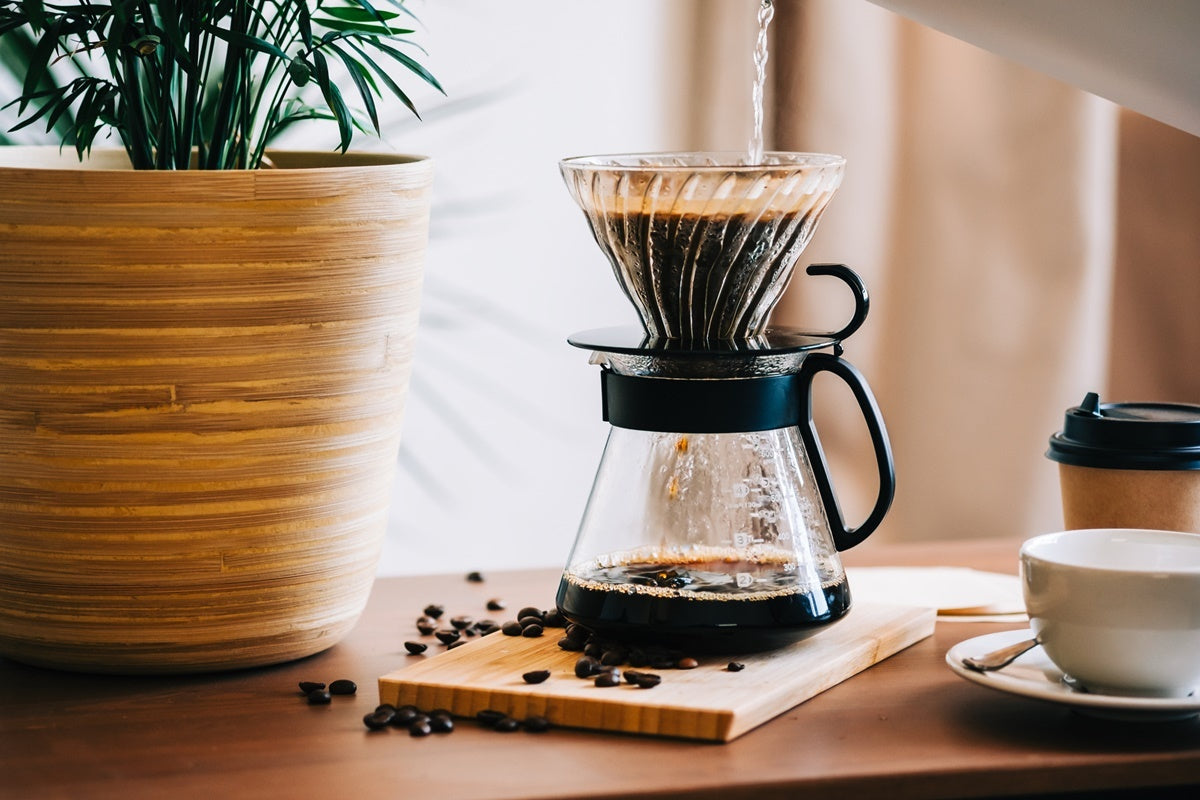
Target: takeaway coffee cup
<point>1129,465</point>
<point>1117,610</point>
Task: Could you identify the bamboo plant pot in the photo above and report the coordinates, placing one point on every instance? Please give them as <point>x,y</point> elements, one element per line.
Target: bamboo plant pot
<point>202,379</point>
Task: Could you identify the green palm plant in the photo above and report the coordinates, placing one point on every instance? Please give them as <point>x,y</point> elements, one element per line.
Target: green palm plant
<point>187,84</point>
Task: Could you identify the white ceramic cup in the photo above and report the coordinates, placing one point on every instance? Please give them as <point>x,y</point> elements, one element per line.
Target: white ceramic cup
<point>1117,609</point>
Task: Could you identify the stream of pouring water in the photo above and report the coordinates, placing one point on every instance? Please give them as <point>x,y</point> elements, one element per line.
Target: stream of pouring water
<point>766,11</point>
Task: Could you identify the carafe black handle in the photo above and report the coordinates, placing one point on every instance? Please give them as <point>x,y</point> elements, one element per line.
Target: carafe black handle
<point>844,538</point>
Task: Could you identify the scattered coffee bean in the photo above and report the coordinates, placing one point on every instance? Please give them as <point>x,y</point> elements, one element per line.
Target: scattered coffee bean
<point>475,577</point>
<point>496,604</point>
<point>536,676</point>
<point>553,619</point>
<point>426,628</point>
<point>537,724</point>
<point>687,663</point>
<point>512,628</point>
<point>386,707</point>
<point>378,720</point>
<point>319,697</point>
<point>489,717</point>
<point>661,663</point>
<point>458,643</point>
<point>576,633</point>
<point>418,729</point>
<point>405,716</point>
<point>506,725</point>
<point>486,627</point>
<point>441,724</point>
<point>631,675</point>
<point>567,643</point>
<point>448,635</point>
<point>530,611</point>
<point>586,667</point>
<point>647,680</point>
<point>593,649</point>
<point>434,611</point>
<point>531,631</point>
<point>612,678</point>
<point>612,658</point>
<point>735,666</point>
<point>462,623</point>
<point>343,686</point>
<point>416,648</point>
<point>528,620</point>
<point>308,686</point>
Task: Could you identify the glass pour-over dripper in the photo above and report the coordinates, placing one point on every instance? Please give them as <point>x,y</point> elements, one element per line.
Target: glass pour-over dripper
<point>712,520</point>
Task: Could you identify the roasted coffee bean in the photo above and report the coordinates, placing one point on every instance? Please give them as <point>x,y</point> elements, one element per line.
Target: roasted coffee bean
<point>735,666</point>
<point>612,678</point>
<point>489,717</point>
<point>475,577</point>
<point>420,719</point>
<point>506,725</point>
<point>447,635</point>
<point>378,720</point>
<point>405,716</point>
<point>647,680</point>
<point>308,686</point>
<point>511,628</point>
<point>594,649</point>
<point>553,619</point>
<point>441,724</point>
<point>470,632</point>
<point>422,728</point>
<point>631,676</point>
<point>386,707</point>
<point>537,724</point>
<point>586,667</point>
<point>458,643</point>
<point>530,611</point>
<point>661,662</point>
<point>485,629</point>
<point>426,628</point>
<point>567,643</point>
<point>461,623</point>
<point>343,686</point>
<point>319,697</point>
<point>528,619</point>
<point>416,648</point>
<point>687,663</point>
<point>612,658</point>
<point>496,604</point>
<point>576,632</point>
<point>434,611</point>
<point>531,631</point>
<point>536,676</point>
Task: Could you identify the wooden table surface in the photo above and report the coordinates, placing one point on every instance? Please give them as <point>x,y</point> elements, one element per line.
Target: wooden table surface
<point>907,727</point>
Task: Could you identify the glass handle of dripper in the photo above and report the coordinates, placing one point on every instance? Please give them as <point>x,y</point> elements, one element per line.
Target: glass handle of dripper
<point>843,537</point>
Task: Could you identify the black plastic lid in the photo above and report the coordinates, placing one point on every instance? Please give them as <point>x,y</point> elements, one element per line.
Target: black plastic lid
<point>1128,436</point>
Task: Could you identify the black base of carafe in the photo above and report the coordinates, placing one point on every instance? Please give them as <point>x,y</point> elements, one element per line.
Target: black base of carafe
<point>702,626</point>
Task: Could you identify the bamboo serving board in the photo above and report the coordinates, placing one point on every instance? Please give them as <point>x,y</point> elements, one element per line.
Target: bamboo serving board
<point>708,702</point>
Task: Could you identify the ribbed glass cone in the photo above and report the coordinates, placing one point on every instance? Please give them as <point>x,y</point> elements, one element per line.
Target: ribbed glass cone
<point>702,244</point>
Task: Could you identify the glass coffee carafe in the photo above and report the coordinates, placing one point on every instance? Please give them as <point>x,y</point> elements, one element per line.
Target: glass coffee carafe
<point>712,522</point>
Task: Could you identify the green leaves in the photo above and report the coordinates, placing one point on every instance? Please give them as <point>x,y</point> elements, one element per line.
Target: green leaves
<point>218,79</point>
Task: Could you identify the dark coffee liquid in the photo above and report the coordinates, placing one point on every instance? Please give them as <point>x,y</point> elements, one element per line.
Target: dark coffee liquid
<point>716,605</point>
<point>702,277</point>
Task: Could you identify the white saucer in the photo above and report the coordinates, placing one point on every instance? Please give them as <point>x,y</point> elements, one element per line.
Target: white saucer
<point>1034,675</point>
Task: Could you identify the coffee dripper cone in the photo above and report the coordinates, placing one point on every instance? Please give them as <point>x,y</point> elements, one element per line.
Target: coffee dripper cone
<point>712,522</point>
<point>703,246</point>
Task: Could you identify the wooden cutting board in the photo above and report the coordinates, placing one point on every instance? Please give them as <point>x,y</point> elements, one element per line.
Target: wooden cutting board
<point>708,702</point>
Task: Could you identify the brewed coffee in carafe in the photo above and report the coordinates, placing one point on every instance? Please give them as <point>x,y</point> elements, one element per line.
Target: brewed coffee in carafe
<point>712,522</point>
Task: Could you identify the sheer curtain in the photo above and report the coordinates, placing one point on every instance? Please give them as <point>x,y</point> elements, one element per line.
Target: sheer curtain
<point>1024,243</point>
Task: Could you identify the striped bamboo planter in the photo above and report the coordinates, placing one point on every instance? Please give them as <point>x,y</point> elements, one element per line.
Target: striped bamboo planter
<point>202,380</point>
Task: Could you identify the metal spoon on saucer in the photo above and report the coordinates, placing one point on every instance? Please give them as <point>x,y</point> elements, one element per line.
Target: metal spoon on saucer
<point>998,659</point>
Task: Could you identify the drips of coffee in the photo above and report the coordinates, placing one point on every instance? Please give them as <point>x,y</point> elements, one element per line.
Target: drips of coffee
<point>719,604</point>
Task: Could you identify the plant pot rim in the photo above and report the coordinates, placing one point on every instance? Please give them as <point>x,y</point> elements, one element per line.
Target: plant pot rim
<point>51,158</point>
